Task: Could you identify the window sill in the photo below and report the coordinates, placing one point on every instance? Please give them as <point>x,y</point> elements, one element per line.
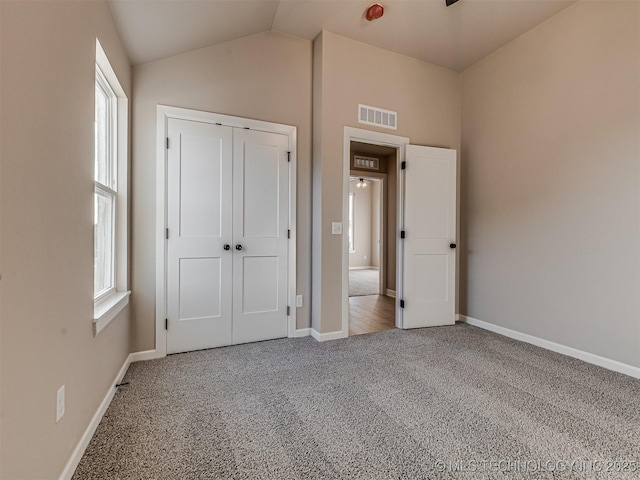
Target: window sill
<point>107,309</point>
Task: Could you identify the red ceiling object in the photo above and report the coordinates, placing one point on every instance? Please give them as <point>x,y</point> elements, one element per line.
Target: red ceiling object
<point>374,12</point>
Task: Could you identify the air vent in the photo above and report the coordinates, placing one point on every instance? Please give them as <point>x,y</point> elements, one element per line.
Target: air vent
<point>378,117</point>
<point>370,163</point>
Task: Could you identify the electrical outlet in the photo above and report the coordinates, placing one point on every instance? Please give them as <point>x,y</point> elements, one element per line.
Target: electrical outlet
<point>336,228</point>
<point>60,404</point>
<point>298,301</point>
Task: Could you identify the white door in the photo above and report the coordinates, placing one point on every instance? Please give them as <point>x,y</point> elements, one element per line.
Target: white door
<point>199,188</point>
<point>227,247</point>
<point>429,259</point>
<point>260,226</point>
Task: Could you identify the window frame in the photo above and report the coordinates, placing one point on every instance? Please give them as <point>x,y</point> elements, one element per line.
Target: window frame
<point>111,145</point>
<point>111,301</point>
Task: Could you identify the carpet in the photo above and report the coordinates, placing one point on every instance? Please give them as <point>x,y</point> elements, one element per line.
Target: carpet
<point>436,403</point>
<point>364,282</point>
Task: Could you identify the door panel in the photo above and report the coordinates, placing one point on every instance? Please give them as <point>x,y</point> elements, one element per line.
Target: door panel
<point>199,168</point>
<point>260,210</point>
<point>199,278</point>
<point>260,285</point>
<point>200,186</point>
<point>430,227</point>
<point>261,206</point>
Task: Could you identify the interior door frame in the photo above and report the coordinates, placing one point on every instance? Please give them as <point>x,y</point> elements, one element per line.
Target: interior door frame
<point>352,134</point>
<point>164,113</point>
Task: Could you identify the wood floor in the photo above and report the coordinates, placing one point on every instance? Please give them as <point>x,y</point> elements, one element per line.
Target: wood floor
<point>371,313</point>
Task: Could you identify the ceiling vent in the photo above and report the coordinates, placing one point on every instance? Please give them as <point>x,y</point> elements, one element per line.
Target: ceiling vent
<point>378,117</point>
<point>370,163</point>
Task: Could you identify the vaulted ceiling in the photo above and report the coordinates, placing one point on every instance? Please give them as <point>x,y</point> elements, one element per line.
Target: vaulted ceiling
<point>454,37</point>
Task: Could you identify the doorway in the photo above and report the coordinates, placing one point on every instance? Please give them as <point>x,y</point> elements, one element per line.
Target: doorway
<point>424,237</point>
<point>371,228</point>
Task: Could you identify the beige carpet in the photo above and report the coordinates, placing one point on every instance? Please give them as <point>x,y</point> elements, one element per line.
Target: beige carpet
<point>447,402</point>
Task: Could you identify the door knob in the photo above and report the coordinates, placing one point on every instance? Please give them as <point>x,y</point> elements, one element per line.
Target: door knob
<point>227,246</point>
<point>452,245</point>
<point>238,247</point>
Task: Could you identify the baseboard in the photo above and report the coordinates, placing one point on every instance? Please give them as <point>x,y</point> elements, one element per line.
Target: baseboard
<point>145,355</point>
<point>364,268</point>
<point>391,293</point>
<point>301,332</point>
<point>73,462</point>
<point>325,337</point>
<point>555,347</point>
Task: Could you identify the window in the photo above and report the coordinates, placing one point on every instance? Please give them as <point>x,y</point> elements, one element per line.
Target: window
<point>106,189</point>
<point>352,201</point>
<point>109,198</point>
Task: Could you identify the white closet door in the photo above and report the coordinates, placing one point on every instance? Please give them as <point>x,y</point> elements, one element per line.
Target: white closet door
<point>430,237</point>
<point>199,270</point>
<point>260,223</point>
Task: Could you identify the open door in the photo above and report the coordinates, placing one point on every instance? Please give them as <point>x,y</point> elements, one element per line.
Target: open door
<point>429,230</point>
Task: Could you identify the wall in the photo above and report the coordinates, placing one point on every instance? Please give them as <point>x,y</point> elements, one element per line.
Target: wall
<point>392,220</point>
<point>428,101</point>
<point>550,174</point>
<point>376,218</point>
<point>47,128</point>
<point>266,77</point>
<point>362,226</point>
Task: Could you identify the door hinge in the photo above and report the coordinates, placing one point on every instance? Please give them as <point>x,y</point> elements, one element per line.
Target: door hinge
<point>167,143</point>
<point>288,156</point>
<point>166,324</point>
<point>288,233</point>
<point>288,311</point>
<point>401,303</point>
<point>403,165</point>
<point>402,234</point>
<point>166,233</point>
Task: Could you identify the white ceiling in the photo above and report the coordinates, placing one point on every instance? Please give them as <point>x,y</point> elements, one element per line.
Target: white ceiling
<point>454,37</point>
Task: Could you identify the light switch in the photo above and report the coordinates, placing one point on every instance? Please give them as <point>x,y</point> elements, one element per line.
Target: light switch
<point>336,228</point>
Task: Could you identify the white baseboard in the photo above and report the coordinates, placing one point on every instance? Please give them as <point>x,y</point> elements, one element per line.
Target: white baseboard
<point>371,267</point>
<point>77,454</point>
<point>391,293</point>
<point>301,332</point>
<point>325,337</point>
<point>556,347</point>
<point>145,355</point>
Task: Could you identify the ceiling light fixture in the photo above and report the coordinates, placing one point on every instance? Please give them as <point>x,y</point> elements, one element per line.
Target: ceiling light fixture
<point>374,12</point>
<point>362,183</point>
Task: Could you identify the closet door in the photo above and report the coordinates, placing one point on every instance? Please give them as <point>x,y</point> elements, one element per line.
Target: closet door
<point>260,223</point>
<point>199,269</point>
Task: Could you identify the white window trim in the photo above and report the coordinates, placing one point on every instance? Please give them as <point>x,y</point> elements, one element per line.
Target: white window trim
<point>108,305</point>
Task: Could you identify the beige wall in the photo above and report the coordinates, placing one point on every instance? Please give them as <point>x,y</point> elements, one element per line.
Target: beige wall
<point>376,219</point>
<point>428,101</point>
<point>392,223</point>
<point>47,128</point>
<point>266,77</point>
<point>550,176</point>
